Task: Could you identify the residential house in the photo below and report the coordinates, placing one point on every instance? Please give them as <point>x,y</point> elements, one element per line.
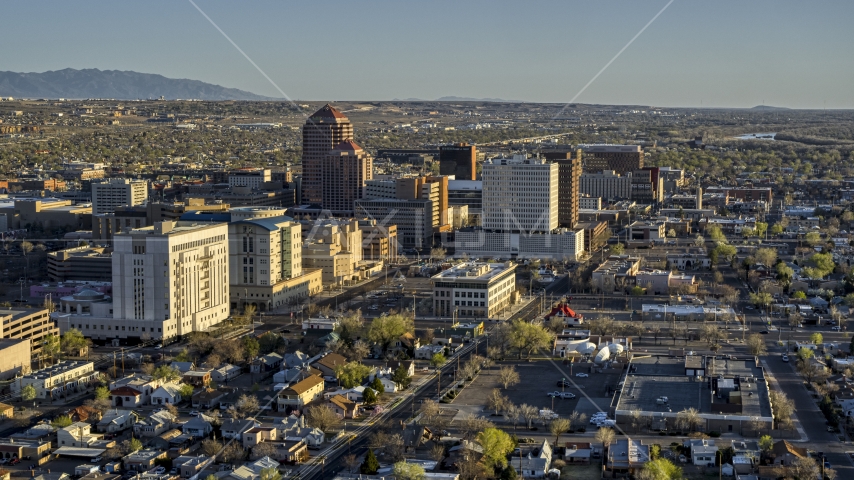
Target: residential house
<point>293,375</point>
<point>208,398</point>
<point>578,453</point>
<point>234,428</point>
<point>295,360</point>
<point>189,466</point>
<point>268,363</point>
<point>466,451</point>
<point>415,435</point>
<point>197,378</point>
<point>409,365</point>
<point>703,451</point>
<point>535,463</point>
<point>154,424</point>
<point>6,411</point>
<point>78,434</point>
<point>36,432</point>
<point>51,476</point>
<point>142,460</point>
<point>114,421</point>
<point>139,382</point>
<point>165,440</point>
<point>625,457</point>
<point>344,407</point>
<point>301,393</point>
<point>252,471</point>
<point>225,373</point>
<point>257,435</point>
<point>746,448</point>
<point>328,362</point>
<point>388,385</point>
<point>784,453</point>
<point>126,397</point>
<point>406,343</point>
<point>197,427</point>
<point>229,400</point>
<point>293,428</point>
<point>165,394</point>
<point>426,352</point>
<point>293,452</point>
<point>355,394</point>
<point>183,367</point>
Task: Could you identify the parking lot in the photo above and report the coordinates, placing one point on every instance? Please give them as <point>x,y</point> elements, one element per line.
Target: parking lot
<point>537,380</point>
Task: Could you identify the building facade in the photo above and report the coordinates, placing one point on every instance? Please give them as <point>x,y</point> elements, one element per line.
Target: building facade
<point>520,195</point>
<point>28,324</point>
<point>474,290</point>
<point>325,129</point>
<point>118,192</point>
<point>606,184</point>
<point>344,172</point>
<point>622,159</point>
<point>459,160</point>
<point>569,173</point>
<point>413,218</point>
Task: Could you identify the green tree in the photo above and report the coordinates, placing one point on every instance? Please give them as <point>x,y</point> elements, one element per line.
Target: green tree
<point>166,373</point>
<point>73,343</point>
<point>766,443</point>
<point>377,385</point>
<point>183,356</point>
<point>385,330</point>
<point>509,473</point>
<point>761,299</point>
<point>496,445</point>
<point>133,445</point>
<point>102,393</point>
<point>370,465</point>
<point>51,346</point>
<point>637,291</point>
<point>437,360</point>
<point>351,374</point>
<point>761,228</point>
<point>527,337</point>
<point>369,396</point>
<point>270,473</point>
<point>270,342</point>
<point>61,421</point>
<point>813,238</point>
<point>618,249</point>
<point>776,229</point>
<point>804,354</point>
<point>766,256</point>
<point>408,471</point>
<point>28,393</point>
<point>817,338</point>
<point>715,233</point>
<point>251,346</point>
<point>725,251</point>
<point>401,378</point>
<point>661,469</point>
<point>799,295</point>
<point>186,391</point>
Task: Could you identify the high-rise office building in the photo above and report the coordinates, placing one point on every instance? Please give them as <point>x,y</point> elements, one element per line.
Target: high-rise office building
<point>118,192</point>
<point>459,160</point>
<point>520,195</point>
<point>569,172</point>
<point>325,129</point>
<point>606,185</point>
<point>433,188</point>
<point>622,159</point>
<point>344,172</point>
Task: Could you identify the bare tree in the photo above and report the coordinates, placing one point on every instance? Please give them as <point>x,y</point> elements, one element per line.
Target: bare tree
<point>437,452</point>
<point>557,427</point>
<point>351,462</point>
<point>508,376</point>
<point>606,437</point>
<point>529,413</point>
<point>321,416</point>
<point>472,425</point>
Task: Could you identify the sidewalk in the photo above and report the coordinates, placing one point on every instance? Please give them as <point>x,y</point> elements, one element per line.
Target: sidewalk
<point>773,380</point>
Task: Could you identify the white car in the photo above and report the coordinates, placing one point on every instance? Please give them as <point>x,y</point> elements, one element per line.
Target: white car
<point>567,395</point>
<point>581,375</point>
<point>160,470</point>
<point>553,394</point>
<point>194,413</point>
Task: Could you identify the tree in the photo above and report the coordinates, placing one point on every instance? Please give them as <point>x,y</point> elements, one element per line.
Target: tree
<point>247,405</point>
<point>377,385</point>
<point>251,347</point>
<point>231,452</point>
<point>186,391</point>
<point>183,356</point>
<point>408,471</point>
<point>269,473</point>
<point>699,241</point>
<point>529,413</point>
<point>351,374</point>
<point>528,337</point>
<point>51,346</point>
<point>606,437</point>
<point>804,354</point>
<point>351,462</point>
<point>438,254</point>
<point>437,452</point>
<point>350,326</point>
<point>618,249</point>
<point>132,445</point>
<point>766,443</point>
<point>360,350</point>
<point>214,360</point>
<point>712,334</point>
<point>508,376</point>
<point>247,316</point>
<point>766,256</point>
<point>401,377</point>
<point>370,397</point>
<point>817,338</point>
<point>783,409</point>
<point>370,465</point>
<point>715,233</point>
<point>472,425</point>
<point>437,360</point>
<point>270,342</point>
<point>813,238</point>
<point>321,416</point>
<point>496,445</point>
<point>61,421</point>
<point>557,427</point>
<point>689,419</point>
<point>73,343</point>
<point>102,393</point>
<point>756,345</point>
<point>211,447</point>
<point>661,469</point>
<point>166,373</point>
<point>805,468</point>
<point>384,330</point>
<point>265,449</point>
<point>496,401</point>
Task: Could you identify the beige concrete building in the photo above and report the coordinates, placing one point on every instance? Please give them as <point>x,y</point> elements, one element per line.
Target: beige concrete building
<point>617,271</point>
<point>344,172</point>
<point>378,242</point>
<point>80,263</point>
<point>474,290</point>
<point>106,224</point>
<point>32,324</point>
<point>325,129</point>
<point>46,213</point>
<point>15,358</point>
<point>117,192</point>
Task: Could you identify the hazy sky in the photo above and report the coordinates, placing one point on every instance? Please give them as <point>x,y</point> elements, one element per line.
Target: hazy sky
<point>716,53</point>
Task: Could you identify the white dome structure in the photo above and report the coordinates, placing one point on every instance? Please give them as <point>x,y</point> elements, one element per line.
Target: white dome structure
<point>586,348</point>
<point>602,356</point>
<point>615,348</point>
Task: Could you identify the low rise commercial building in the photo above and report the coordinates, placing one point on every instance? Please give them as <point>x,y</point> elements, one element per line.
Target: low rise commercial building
<point>57,380</point>
<point>80,263</point>
<point>46,214</point>
<point>616,272</point>
<point>560,244</point>
<point>474,290</point>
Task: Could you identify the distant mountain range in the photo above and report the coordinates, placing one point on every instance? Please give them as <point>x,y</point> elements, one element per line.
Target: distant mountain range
<point>769,107</point>
<point>457,99</point>
<point>123,85</point>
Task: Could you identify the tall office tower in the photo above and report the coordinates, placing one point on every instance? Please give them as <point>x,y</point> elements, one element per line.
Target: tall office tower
<point>622,159</point>
<point>459,160</point>
<point>520,195</point>
<point>569,172</point>
<point>430,188</point>
<point>118,192</point>
<point>344,171</point>
<point>169,279</point>
<point>325,129</point>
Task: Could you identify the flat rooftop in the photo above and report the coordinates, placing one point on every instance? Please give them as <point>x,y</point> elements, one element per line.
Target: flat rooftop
<point>474,271</point>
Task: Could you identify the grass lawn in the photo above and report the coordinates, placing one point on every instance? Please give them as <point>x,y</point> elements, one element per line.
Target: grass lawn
<point>582,472</point>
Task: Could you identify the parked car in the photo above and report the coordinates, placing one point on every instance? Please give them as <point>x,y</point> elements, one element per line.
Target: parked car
<point>553,394</point>
<point>567,395</point>
<point>15,461</point>
<point>581,375</point>
<point>194,413</point>
<point>785,358</point>
<point>836,329</point>
<point>564,383</point>
<point>160,470</point>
